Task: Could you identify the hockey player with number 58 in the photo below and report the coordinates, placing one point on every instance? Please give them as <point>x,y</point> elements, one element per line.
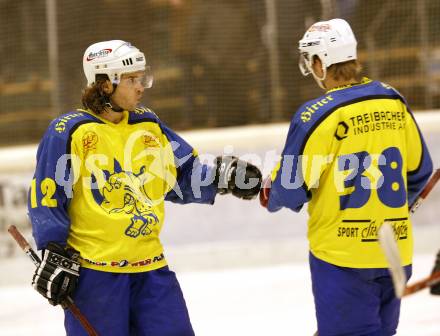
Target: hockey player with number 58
<point>357,156</point>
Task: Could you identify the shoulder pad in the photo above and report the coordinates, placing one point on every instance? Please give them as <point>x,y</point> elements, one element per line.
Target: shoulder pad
<point>391,88</point>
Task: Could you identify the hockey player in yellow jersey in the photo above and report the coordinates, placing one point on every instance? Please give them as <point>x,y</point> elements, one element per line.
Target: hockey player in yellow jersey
<point>357,156</point>
<point>96,202</point>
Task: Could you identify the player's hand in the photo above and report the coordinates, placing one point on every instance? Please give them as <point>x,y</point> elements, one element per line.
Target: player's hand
<point>58,273</point>
<point>238,177</point>
<point>265,191</point>
<point>435,289</point>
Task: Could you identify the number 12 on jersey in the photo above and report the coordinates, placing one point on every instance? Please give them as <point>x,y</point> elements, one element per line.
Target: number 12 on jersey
<point>48,188</point>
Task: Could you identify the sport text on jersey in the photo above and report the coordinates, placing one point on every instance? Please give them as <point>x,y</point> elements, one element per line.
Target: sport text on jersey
<point>366,230</point>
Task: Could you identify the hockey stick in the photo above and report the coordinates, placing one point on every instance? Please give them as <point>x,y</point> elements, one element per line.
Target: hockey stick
<point>68,302</point>
<point>429,281</point>
<point>391,251</point>
<point>429,186</point>
<point>389,246</point>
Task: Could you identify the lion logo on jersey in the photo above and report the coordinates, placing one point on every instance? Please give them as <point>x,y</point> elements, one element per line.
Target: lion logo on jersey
<point>124,192</point>
<point>89,142</point>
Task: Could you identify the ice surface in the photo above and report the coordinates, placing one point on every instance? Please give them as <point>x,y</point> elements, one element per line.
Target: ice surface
<point>244,301</point>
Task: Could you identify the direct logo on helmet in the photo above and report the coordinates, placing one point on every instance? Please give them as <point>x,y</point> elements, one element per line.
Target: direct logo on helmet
<point>98,54</point>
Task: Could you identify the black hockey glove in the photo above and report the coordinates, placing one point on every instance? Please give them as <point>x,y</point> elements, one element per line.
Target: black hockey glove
<point>435,289</point>
<point>58,273</point>
<point>240,178</point>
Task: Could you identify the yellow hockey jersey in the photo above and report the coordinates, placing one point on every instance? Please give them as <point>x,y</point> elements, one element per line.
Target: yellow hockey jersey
<point>100,187</point>
<point>357,155</point>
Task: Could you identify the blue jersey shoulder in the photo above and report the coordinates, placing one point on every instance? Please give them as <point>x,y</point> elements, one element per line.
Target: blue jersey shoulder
<point>387,89</point>
<point>316,109</point>
<point>310,114</point>
<point>142,114</point>
<point>365,91</point>
<point>66,123</point>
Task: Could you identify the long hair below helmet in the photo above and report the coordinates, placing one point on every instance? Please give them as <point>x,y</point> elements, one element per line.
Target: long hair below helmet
<point>94,97</point>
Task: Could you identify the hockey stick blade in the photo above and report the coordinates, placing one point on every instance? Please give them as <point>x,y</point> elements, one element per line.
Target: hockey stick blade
<point>391,251</point>
<point>68,302</point>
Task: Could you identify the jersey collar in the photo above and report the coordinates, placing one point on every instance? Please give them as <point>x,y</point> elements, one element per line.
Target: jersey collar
<point>123,121</point>
<point>365,80</point>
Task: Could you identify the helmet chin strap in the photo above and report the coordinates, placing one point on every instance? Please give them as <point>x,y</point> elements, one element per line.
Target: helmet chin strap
<point>112,105</point>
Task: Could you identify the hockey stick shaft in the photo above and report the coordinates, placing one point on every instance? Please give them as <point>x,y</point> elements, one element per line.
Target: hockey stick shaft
<point>429,186</point>
<point>435,277</point>
<point>68,302</point>
<point>432,280</point>
<point>389,246</point>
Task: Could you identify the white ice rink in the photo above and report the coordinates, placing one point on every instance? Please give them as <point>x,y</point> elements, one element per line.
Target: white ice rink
<point>255,301</point>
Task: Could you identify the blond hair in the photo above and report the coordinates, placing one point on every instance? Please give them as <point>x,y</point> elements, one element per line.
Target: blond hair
<point>346,71</point>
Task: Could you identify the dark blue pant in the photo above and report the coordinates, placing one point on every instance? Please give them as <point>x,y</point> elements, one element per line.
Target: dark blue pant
<point>354,301</point>
<point>137,304</point>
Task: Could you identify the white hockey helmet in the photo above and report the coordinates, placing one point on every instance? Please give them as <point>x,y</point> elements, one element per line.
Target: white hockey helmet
<point>332,41</point>
<point>114,58</point>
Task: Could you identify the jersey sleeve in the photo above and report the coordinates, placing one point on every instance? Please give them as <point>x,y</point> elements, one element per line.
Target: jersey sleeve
<point>306,155</point>
<point>288,187</point>
<point>194,179</point>
<point>51,190</point>
<point>419,167</point>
